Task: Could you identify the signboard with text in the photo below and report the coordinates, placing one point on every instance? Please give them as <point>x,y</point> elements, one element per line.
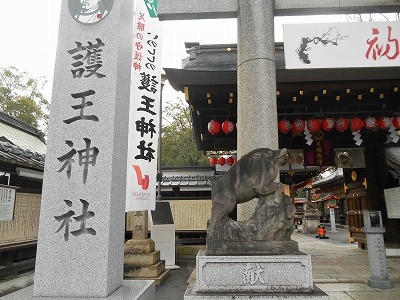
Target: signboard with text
<point>392,198</point>
<point>7,202</point>
<point>342,45</point>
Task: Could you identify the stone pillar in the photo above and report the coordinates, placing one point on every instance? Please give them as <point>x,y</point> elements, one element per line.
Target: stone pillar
<point>374,231</point>
<point>333,221</point>
<point>257,108</point>
<point>81,230</point>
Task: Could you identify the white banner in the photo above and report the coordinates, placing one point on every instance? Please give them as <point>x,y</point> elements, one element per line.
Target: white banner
<point>144,108</point>
<point>342,45</point>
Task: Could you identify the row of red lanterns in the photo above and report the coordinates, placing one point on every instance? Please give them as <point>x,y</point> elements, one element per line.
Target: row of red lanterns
<point>214,127</point>
<point>341,124</point>
<point>222,160</point>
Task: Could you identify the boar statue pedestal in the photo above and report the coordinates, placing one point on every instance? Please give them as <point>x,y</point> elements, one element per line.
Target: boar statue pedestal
<point>256,256</point>
<point>268,231</point>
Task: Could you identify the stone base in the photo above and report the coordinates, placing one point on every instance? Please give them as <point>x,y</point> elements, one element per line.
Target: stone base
<point>139,246</point>
<point>253,277</point>
<point>131,290</point>
<point>253,274</point>
<point>316,294</point>
<point>142,261</point>
<point>383,284</point>
<point>159,280</point>
<point>149,271</point>
<point>215,247</point>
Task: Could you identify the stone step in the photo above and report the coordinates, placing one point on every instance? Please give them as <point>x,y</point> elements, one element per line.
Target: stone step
<point>158,280</point>
<point>141,259</point>
<point>151,271</point>
<point>139,246</point>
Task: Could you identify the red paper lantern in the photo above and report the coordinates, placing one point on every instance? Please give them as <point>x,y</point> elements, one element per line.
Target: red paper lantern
<point>356,124</point>
<point>227,126</point>
<point>370,123</point>
<point>299,159</point>
<point>396,122</point>
<point>213,127</point>
<point>327,124</point>
<point>221,161</point>
<point>341,124</point>
<point>230,160</point>
<point>384,122</point>
<point>213,161</point>
<point>312,125</point>
<point>298,125</point>
<point>284,126</point>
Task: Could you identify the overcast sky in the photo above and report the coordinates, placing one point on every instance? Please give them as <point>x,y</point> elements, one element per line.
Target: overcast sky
<point>29,30</point>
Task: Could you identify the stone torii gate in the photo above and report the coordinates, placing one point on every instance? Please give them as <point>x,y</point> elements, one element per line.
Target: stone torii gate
<point>256,70</point>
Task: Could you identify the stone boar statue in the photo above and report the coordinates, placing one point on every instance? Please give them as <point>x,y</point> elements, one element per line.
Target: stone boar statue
<point>251,177</point>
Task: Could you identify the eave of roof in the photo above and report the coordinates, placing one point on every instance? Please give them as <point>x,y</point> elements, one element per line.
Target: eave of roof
<point>21,157</point>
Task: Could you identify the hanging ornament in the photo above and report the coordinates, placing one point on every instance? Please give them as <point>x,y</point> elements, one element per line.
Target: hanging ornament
<point>396,122</point>
<point>227,126</point>
<point>370,123</point>
<point>341,124</point>
<point>356,124</point>
<point>357,138</point>
<point>384,122</point>
<point>213,127</point>
<point>213,161</point>
<point>284,126</point>
<point>394,136</point>
<point>308,137</point>
<point>221,161</point>
<point>312,125</point>
<point>298,125</point>
<point>327,124</point>
<point>230,160</point>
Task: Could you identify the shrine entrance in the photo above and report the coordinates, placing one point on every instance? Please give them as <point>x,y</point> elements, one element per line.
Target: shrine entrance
<point>208,81</point>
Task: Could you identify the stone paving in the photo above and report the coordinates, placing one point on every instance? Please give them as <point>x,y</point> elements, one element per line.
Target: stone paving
<point>334,262</point>
<point>340,269</point>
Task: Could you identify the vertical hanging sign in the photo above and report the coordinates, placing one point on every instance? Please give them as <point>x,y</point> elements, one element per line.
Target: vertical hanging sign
<point>144,108</point>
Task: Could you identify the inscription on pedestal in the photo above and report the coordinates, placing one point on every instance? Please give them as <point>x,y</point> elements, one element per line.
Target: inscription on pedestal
<point>275,273</point>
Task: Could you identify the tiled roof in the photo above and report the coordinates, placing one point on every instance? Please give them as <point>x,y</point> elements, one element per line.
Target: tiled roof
<point>335,177</point>
<point>20,143</point>
<point>21,157</point>
<point>21,134</point>
<point>190,180</point>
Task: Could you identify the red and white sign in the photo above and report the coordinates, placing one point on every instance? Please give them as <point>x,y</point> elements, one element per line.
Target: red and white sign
<point>342,45</point>
<point>144,111</point>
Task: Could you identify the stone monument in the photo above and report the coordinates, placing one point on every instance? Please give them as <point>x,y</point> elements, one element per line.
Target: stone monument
<point>81,228</point>
<point>253,257</point>
<point>374,230</point>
